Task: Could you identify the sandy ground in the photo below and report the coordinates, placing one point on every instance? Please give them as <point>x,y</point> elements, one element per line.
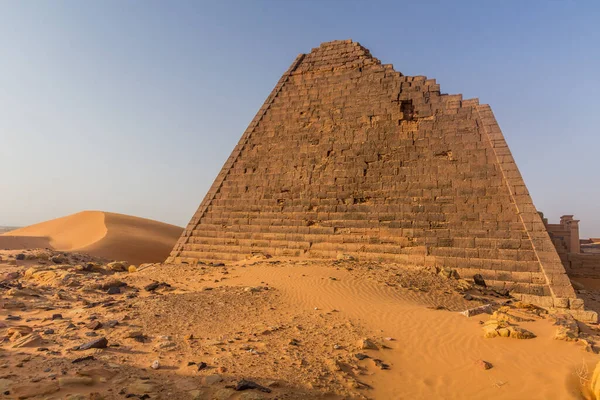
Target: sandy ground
<point>101,234</point>
<point>296,328</point>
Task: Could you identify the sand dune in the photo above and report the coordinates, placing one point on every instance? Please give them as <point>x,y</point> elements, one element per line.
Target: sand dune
<point>101,234</point>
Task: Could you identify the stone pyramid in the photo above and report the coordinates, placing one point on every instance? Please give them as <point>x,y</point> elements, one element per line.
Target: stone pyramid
<point>348,156</point>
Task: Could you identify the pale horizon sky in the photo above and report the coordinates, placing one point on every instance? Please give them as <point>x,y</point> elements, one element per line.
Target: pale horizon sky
<point>132,107</point>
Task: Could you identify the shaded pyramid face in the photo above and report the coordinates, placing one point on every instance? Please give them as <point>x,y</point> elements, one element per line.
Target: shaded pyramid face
<point>349,156</point>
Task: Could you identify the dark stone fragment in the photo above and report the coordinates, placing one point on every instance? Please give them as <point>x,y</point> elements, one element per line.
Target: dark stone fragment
<point>361,356</point>
<point>245,385</point>
<point>112,323</point>
<point>113,290</point>
<point>94,325</point>
<point>381,364</point>
<point>57,316</point>
<point>80,359</point>
<point>468,297</point>
<point>478,279</point>
<point>95,344</point>
<point>202,365</point>
<point>152,287</point>
<point>13,318</point>
<point>49,332</point>
<point>20,256</point>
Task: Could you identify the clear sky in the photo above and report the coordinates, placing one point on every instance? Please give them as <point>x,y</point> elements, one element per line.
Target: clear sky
<point>133,106</point>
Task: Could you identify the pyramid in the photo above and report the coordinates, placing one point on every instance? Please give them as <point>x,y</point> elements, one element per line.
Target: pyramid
<point>348,156</point>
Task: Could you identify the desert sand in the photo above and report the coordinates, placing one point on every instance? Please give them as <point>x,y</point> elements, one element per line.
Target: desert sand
<point>100,234</point>
<point>300,329</point>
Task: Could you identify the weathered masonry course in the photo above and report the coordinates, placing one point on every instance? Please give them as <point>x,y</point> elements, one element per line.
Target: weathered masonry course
<point>349,156</point>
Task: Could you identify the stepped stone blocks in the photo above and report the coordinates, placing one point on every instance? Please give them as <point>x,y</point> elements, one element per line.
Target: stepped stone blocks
<point>349,156</point>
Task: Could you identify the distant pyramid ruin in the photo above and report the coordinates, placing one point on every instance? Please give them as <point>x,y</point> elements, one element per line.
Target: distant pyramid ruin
<point>348,156</point>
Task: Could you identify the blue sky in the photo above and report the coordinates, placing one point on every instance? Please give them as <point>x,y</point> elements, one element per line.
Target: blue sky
<point>133,106</point>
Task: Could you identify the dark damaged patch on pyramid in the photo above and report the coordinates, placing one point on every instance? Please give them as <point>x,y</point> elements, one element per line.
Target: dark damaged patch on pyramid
<point>349,156</point>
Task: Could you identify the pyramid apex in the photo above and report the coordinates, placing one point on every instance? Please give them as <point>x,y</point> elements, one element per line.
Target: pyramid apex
<point>335,55</point>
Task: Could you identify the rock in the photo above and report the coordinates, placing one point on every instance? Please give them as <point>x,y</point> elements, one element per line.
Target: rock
<point>112,323</point>
<point>366,344</point>
<point>489,331</point>
<point>57,316</point>
<point>155,364</point>
<point>448,273</point>
<point>520,333</point>
<point>131,269</point>
<point>345,257</point>
<point>136,335</point>
<point>141,387</point>
<point>152,287</point>
<point>80,359</point>
<point>478,279</point>
<point>503,332</point>
<point>196,395</point>
<point>483,364</point>
<point>113,290</point>
<point>361,356</point>
<point>246,384</point>
<point>380,364</point>
<point>100,343</point>
<point>212,379</point>
<point>17,331</point>
<point>477,310</point>
<point>253,289</point>
<point>26,391</point>
<point>202,365</point>
<point>567,328</point>
<point>75,381</point>
<point>58,259</point>
<point>94,325</point>
<point>20,256</point>
<point>112,283</point>
<point>31,340</point>
<point>117,266</point>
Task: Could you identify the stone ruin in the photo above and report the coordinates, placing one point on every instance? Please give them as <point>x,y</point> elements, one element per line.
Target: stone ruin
<point>581,258</point>
<point>348,156</point>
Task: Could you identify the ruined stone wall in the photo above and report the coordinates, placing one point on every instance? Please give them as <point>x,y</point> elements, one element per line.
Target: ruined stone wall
<point>349,156</point>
